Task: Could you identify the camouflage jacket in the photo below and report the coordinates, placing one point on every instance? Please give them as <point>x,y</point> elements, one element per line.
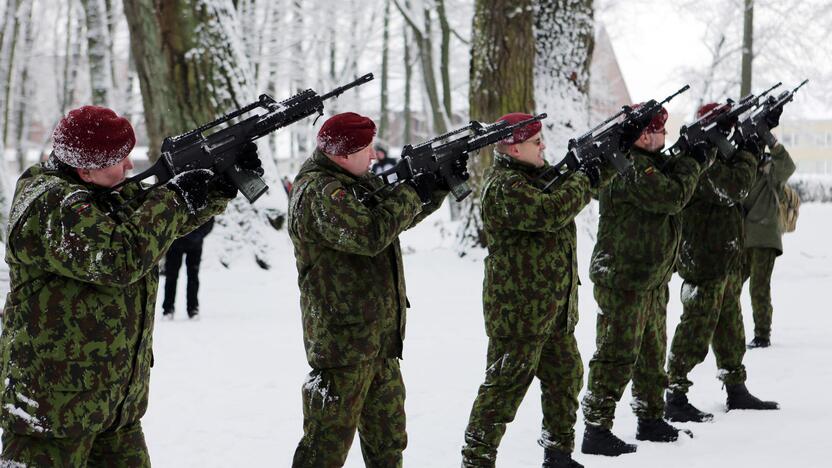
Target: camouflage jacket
<point>78,321</point>
<point>638,230</point>
<point>712,224</point>
<point>761,206</point>
<point>350,274</point>
<point>531,271</point>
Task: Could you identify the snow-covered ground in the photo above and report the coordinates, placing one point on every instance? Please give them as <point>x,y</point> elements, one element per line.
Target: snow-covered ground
<point>225,390</point>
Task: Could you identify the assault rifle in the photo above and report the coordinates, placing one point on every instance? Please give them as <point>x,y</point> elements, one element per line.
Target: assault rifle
<point>755,123</point>
<point>219,150</point>
<point>442,160</point>
<point>603,142</point>
<point>714,126</point>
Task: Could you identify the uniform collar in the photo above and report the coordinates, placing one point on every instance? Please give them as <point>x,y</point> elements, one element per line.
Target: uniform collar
<point>502,160</point>
<point>323,161</point>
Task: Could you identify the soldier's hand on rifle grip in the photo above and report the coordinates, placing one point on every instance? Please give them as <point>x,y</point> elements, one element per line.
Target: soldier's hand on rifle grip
<point>460,168</point>
<point>192,187</point>
<point>424,184</point>
<point>250,160</point>
<point>703,153</point>
<point>751,144</point>
<point>592,170</point>
<point>630,133</point>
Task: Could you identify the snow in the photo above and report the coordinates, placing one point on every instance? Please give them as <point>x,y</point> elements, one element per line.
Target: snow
<point>226,390</point>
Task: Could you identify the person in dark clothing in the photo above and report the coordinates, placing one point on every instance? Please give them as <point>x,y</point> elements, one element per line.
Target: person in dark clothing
<point>383,161</point>
<point>190,247</point>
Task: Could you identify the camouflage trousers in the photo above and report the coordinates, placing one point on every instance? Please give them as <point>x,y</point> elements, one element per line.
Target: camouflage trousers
<point>512,364</point>
<point>368,396</point>
<point>631,340</point>
<point>758,265</point>
<point>712,316</point>
<point>124,447</point>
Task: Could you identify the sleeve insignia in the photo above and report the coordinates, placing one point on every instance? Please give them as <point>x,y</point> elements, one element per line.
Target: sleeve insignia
<point>649,171</point>
<point>81,207</point>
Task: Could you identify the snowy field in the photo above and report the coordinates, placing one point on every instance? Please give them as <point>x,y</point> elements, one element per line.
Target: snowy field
<point>225,390</point>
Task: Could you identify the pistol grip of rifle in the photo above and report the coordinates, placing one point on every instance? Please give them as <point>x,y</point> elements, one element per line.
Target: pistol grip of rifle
<point>250,184</point>
<point>725,148</point>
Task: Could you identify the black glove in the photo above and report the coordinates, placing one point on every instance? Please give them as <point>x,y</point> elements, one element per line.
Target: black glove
<point>592,169</point>
<point>773,117</point>
<point>702,153</point>
<point>247,160</point>
<point>192,187</point>
<point>630,132</point>
<point>424,184</point>
<point>751,144</point>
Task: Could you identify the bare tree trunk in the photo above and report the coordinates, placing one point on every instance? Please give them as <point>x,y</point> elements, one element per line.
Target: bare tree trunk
<point>424,42</point>
<point>23,95</point>
<point>501,81</point>
<point>407,134</point>
<point>192,69</point>
<point>445,58</point>
<point>747,48</point>
<point>11,31</point>
<point>565,38</point>
<point>384,119</point>
<point>98,52</point>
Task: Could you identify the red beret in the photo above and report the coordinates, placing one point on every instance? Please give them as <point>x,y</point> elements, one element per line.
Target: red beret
<point>656,125</point>
<point>706,109</point>
<point>523,133</point>
<point>345,133</point>
<point>92,137</point>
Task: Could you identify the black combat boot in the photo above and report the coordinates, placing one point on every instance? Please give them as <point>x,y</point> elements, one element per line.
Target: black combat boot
<point>167,314</point>
<point>739,398</point>
<point>193,313</point>
<point>657,430</point>
<point>600,441</point>
<point>678,409</point>
<point>759,342</point>
<point>554,458</point>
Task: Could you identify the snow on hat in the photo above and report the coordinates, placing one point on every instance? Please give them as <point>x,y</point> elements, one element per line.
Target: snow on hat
<point>345,133</point>
<point>92,137</point>
<point>519,135</point>
<point>656,125</point>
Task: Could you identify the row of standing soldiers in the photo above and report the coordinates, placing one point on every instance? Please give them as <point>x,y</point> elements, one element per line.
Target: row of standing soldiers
<point>684,213</point>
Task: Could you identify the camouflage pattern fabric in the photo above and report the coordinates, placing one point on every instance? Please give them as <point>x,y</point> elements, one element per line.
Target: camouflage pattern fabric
<point>368,395</point>
<point>351,320</point>
<point>710,262</point>
<point>712,222</point>
<point>531,263</point>
<point>758,266</point>
<point>76,346</point>
<point>638,232</point>
<point>530,306</point>
<point>122,448</point>
<point>712,316</point>
<point>631,339</point>
<point>512,365</point>
<point>348,317</point>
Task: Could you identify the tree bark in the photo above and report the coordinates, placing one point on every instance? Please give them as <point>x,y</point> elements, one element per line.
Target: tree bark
<point>747,48</point>
<point>565,38</point>
<point>8,50</point>
<point>445,58</point>
<point>501,81</point>
<point>98,52</point>
<point>384,118</point>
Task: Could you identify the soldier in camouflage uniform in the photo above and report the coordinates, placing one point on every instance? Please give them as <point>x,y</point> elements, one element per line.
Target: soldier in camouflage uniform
<point>638,234</point>
<point>530,297</point>
<point>352,296</point>
<point>78,321</point>
<point>710,262</point>
<point>763,236</point>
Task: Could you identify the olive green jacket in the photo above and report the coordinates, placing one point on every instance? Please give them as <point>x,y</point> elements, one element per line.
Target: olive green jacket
<point>638,227</point>
<point>761,206</point>
<point>350,273</point>
<point>76,345</point>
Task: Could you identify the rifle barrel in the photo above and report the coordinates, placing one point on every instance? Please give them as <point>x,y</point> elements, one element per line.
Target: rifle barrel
<point>357,82</point>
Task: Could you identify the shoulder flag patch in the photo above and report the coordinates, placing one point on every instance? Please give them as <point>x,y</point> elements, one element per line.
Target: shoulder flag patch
<point>649,171</point>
